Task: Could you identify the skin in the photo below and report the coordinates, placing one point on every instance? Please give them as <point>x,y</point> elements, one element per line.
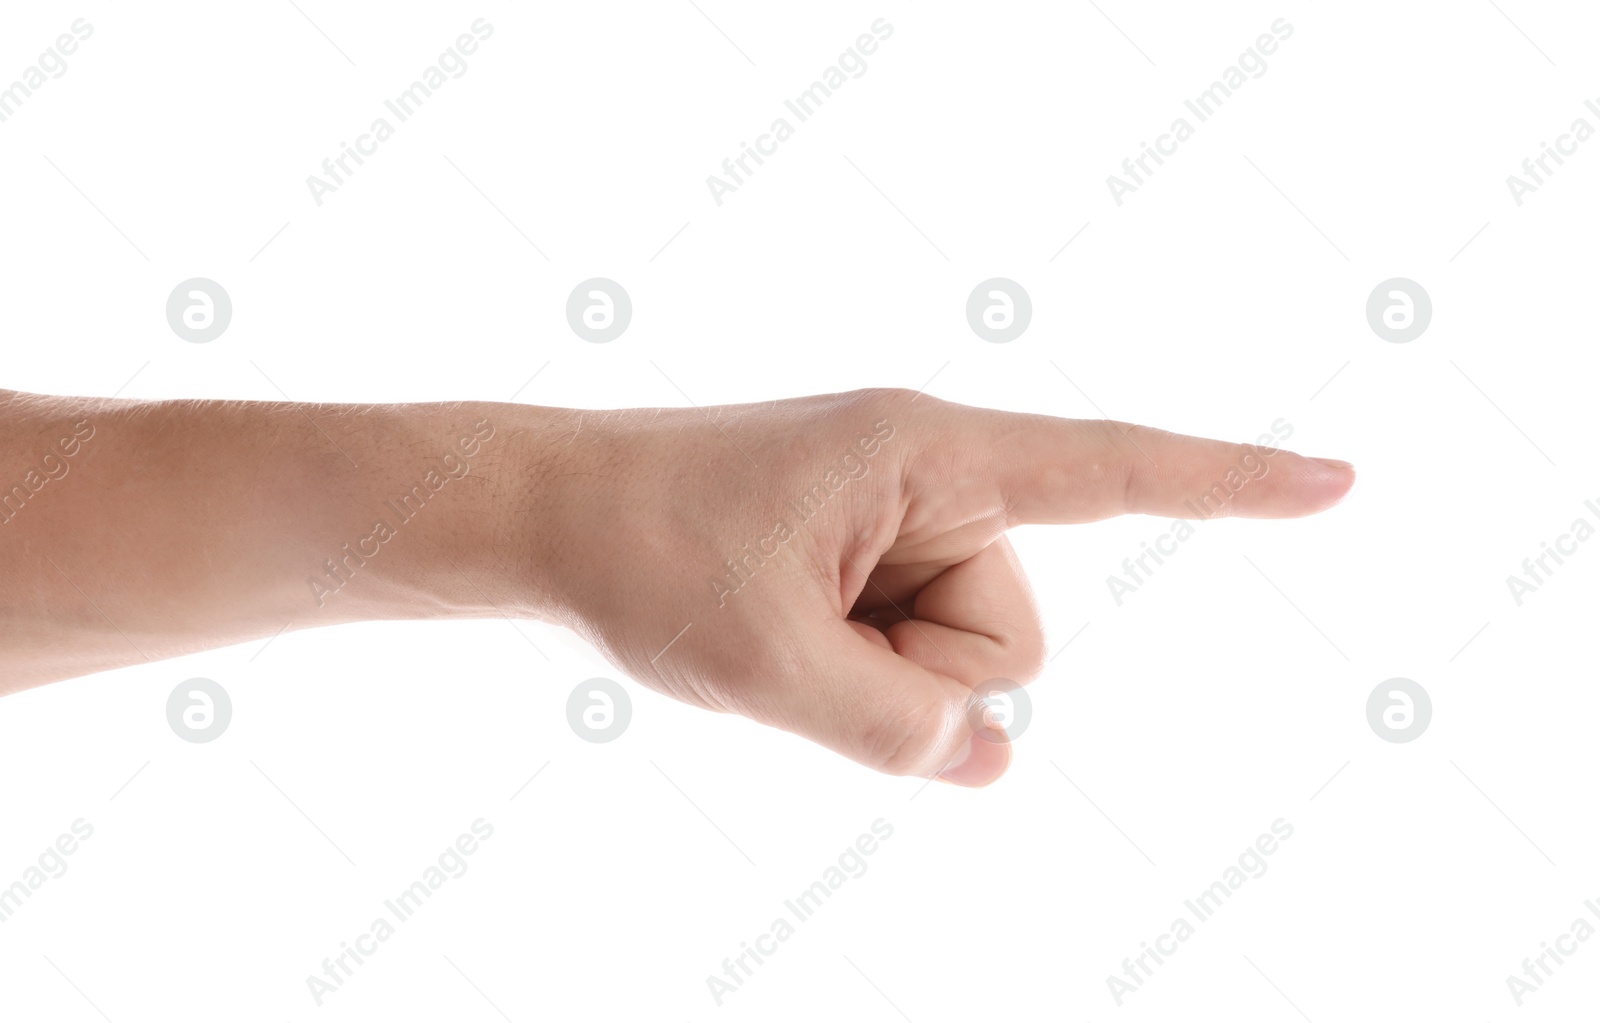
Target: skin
<point>861,617</point>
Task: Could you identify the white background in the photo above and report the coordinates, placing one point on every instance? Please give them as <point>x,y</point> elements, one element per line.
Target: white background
<point>1227,292</point>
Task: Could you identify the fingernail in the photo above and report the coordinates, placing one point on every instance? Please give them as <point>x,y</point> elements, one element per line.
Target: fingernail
<point>1334,463</point>
<point>981,761</point>
<point>961,757</point>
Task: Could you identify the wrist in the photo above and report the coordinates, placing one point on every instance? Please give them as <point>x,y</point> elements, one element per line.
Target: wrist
<point>435,511</point>
<point>543,474</point>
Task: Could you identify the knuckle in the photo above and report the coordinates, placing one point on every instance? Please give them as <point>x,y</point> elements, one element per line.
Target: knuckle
<point>884,395</point>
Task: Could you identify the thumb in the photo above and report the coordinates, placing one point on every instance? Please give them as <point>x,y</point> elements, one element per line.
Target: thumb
<point>893,715</point>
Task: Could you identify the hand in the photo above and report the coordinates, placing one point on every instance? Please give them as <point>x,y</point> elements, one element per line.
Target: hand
<point>837,566</point>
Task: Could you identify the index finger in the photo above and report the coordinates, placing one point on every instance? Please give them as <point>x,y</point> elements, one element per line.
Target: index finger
<point>1055,471</point>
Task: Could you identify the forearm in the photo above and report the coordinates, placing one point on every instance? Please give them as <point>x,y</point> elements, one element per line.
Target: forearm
<point>133,531</point>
